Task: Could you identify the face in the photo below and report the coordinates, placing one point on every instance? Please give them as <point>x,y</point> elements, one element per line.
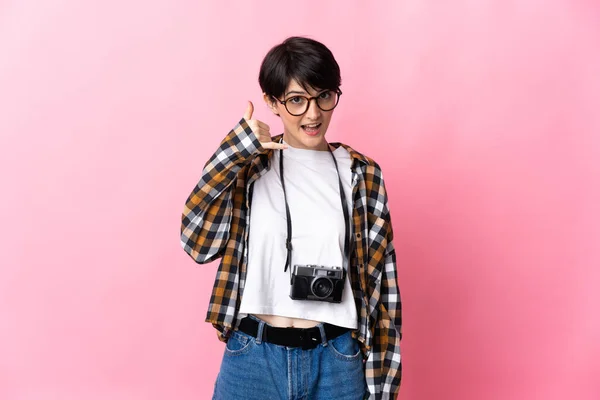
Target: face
<point>306,131</point>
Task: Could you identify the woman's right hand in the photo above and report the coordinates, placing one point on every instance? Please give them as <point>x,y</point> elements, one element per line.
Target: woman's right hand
<point>261,130</point>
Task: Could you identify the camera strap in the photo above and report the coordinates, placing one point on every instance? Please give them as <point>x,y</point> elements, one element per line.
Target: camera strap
<point>288,241</point>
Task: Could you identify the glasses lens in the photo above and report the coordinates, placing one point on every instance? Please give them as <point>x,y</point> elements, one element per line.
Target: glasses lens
<point>297,105</point>
<point>327,100</point>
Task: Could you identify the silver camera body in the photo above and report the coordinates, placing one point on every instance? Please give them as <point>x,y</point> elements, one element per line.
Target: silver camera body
<point>317,282</point>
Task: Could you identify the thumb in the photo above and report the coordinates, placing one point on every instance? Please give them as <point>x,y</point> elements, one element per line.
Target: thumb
<point>249,111</point>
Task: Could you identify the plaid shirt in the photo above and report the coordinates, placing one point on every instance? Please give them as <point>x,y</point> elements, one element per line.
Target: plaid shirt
<point>215,225</point>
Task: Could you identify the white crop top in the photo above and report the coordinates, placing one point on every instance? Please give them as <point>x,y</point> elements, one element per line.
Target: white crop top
<point>317,236</point>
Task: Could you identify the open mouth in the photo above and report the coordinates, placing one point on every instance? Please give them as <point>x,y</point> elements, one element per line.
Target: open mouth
<point>311,129</point>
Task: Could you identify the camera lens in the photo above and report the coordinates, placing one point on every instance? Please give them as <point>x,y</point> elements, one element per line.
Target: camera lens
<point>322,287</point>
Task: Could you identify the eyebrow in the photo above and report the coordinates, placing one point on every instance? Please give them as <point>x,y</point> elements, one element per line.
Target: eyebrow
<point>302,92</point>
<point>294,92</point>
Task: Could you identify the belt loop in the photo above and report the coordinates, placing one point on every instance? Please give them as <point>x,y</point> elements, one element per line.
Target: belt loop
<point>323,336</point>
<point>259,334</point>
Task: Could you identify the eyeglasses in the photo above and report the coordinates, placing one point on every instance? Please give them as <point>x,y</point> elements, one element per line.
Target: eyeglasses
<point>298,105</point>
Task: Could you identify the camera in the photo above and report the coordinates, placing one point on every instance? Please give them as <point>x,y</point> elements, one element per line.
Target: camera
<point>316,282</point>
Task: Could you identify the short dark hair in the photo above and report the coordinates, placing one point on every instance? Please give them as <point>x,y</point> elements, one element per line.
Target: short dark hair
<point>305,60</point>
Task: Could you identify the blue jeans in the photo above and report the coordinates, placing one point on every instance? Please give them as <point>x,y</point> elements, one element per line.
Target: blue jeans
<point>255,370</point>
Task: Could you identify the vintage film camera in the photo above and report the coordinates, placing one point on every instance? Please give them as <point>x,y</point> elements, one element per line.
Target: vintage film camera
<point>316,282</point>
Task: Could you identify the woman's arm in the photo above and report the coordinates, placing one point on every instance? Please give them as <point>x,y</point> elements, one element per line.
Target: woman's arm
<point>206,219</point>
<point>205,223</point>
<point>385,359</point>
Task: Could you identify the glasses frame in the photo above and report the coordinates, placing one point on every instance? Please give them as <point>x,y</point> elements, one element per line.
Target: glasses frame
<point>316,98</point>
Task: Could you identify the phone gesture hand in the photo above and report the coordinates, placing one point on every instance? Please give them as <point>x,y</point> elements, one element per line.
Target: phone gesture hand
<point>261,130</point>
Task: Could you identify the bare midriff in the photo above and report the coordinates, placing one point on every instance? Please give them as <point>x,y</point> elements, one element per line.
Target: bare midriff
<point>285,322</point>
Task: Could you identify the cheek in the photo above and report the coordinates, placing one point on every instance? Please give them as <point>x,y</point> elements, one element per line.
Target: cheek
<point>291,121</point>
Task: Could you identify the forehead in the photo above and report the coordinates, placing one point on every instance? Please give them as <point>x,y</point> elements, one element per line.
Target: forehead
<point>296,87</point>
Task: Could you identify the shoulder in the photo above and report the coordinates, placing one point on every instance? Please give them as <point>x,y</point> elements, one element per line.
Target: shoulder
<point>368,164</point>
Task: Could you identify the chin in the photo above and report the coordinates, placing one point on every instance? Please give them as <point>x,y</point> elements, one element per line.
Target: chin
<point>314,142</point>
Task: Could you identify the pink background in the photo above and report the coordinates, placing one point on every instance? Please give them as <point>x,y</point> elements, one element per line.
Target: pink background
<point>483,114</point>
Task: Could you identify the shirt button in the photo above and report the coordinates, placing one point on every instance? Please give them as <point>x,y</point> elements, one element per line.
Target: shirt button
<point>358,235</point>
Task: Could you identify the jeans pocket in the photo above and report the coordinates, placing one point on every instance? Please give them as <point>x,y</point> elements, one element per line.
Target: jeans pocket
<point>345,347</point>
<point>238,344</point>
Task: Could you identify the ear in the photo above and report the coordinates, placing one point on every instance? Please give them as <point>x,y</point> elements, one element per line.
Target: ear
<point>271,103</point>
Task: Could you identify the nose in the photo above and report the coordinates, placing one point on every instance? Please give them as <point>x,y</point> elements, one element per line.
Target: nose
<point>313,111</point>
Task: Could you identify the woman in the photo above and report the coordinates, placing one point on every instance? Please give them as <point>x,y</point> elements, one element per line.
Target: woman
<point>306,295</point>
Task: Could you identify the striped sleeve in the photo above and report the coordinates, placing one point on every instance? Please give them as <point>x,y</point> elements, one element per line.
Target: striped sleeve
<point>206,219</point>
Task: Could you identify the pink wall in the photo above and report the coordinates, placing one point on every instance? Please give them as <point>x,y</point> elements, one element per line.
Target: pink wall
<point>484,116</point>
